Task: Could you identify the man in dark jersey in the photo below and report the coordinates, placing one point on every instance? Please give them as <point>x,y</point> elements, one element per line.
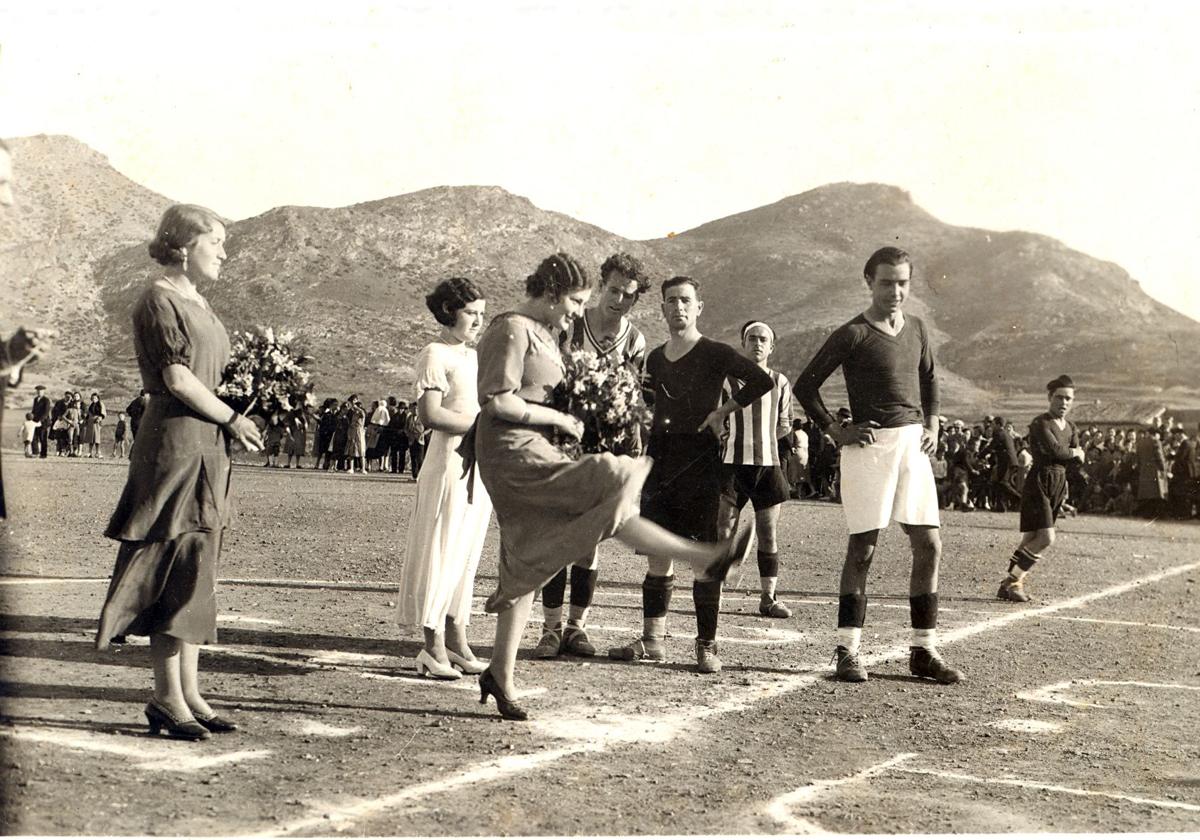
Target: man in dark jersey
<point>1054,444</point>
<point>604,329</point>
<point>683,382</point>
<point>1005,469</point>
<point>885,468</point>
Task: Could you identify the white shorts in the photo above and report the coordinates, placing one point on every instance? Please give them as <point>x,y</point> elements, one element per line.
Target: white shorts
<point>889,479</point>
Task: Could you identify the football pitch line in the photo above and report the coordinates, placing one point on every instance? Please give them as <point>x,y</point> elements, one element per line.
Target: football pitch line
<point>597,735</point>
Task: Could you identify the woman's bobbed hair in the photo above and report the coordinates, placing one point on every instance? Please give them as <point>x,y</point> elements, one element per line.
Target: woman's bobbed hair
<point>449,296</point>
<point>558,275</point>
<point>179,227</point>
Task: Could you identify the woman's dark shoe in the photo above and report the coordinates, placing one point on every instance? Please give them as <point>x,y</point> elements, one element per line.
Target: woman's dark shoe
<point>735,552</point>
<point>508,709</point>
<point>187,730</point>
<point>215,723</point>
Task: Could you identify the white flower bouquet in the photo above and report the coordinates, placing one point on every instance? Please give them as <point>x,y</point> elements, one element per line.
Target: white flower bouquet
<point>266,373</point>
<point>606,396</point>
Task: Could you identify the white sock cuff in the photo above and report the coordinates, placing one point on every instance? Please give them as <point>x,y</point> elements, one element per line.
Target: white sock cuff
<point>849,638</point>
<point>924,638</point>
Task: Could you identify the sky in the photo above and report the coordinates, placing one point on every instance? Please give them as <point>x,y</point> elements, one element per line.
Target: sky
<point>1077,120</point>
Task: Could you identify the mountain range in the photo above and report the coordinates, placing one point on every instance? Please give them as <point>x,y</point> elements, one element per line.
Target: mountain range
<point>1008,310</point>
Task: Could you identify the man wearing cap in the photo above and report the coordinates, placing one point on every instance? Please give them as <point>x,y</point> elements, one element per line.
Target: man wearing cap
<point>886,474</point>
<point>1054,444</point>
<point>41,415</point>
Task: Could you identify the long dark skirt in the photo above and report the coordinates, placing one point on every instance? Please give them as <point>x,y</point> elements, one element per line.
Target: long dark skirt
<point>164,587</point>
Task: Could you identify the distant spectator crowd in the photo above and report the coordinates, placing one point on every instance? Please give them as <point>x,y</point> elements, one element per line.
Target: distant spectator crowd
<point>1150,471</point>
<point>386,437</point>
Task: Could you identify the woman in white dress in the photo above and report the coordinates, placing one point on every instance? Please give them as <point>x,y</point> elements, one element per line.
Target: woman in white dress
<point>445,536</point>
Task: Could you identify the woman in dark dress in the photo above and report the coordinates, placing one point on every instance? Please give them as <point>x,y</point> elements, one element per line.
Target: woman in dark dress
<point>175,505</point>
<point>93,420</point>
<point>552,510</point>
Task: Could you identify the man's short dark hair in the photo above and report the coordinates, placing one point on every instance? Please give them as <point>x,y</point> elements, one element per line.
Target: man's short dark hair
<point>1063,381</point>
<point>629,267</point>
<point>888,255</point>
<point>680,280</point>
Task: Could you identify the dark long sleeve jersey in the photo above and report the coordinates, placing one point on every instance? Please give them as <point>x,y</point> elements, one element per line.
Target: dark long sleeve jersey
<point>687,390</point>
<point>890,379</point>
<point>1050,445</point>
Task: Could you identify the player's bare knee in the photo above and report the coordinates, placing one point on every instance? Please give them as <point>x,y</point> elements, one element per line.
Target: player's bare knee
<point>660,566</point>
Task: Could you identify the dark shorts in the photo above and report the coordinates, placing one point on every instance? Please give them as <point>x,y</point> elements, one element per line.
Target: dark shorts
<point>683,491</point>
<point>1042,498</point>
<point>764,487</point>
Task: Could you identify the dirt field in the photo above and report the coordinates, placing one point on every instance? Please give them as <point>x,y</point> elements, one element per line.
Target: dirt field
<point>1079,712</point>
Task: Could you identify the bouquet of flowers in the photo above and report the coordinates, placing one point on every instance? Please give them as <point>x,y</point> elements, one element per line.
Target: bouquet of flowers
<point>607,397</point>
<point>266,373</point>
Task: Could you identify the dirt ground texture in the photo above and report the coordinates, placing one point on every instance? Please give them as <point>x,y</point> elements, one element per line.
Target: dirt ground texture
<point>1079,711</point>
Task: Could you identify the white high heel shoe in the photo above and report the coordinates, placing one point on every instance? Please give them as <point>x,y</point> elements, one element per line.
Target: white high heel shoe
<point>427,666</point>
<point>469,666</point>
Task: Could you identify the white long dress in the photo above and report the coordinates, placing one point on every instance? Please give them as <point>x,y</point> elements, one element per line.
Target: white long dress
<point>445,535</point>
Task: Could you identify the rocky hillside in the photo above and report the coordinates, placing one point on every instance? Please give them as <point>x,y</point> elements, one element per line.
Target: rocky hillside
<point>352,281</point>
<point>1009,310</point>
<point>71,209</point>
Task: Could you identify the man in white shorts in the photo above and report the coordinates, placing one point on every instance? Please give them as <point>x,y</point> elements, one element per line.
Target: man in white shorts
<point>885,468</point>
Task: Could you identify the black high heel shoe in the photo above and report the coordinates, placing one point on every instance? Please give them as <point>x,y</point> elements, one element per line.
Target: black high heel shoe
<point>160,719</point>
<point>215,723</point>
<point>508,709</point>
<point>735,553</point>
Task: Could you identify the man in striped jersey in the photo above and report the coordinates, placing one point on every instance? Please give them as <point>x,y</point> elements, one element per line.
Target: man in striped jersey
<point>751,469</point>
<point>604,329</point>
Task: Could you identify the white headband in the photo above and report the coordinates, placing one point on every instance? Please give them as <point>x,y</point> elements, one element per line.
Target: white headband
<point>754,324</point>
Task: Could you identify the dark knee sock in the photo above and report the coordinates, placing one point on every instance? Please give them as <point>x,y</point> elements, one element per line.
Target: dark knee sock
<point>852,610</point>
<point>768,564</point>
<point>583,586</point>
<point>656,601</point>
<point>553,591</point>
<point>707,596</point>
<point>924,611</point>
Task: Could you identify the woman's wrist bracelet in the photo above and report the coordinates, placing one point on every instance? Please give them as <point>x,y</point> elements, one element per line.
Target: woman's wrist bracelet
<point>228,423</point>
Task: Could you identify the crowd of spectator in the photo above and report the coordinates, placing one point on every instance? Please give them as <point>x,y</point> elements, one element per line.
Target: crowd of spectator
<point>387,437</point>
<point>1151,471</point>
<point>342,435</point>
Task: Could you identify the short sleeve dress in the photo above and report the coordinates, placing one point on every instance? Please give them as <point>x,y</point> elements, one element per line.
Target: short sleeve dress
<point>446,532</point>
<point>175,505</point>
<point>551,510</point>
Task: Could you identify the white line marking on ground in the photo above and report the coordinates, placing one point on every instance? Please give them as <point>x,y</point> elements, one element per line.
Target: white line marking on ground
<point>245,619</point>
<point>7,581</point>
<point>1023,783</point>
<point>325,730</point>
<point>1035,727</point>
<point>372,585</point>
<point>770,635</point>
<point>1054,693</point>
<point>1128,623</point>
<point>735,701</point>
<point>342,657</point>
<point>481,774</point>
<point>780,808</point>
<point>467,683</point>
<point>149,756</point>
